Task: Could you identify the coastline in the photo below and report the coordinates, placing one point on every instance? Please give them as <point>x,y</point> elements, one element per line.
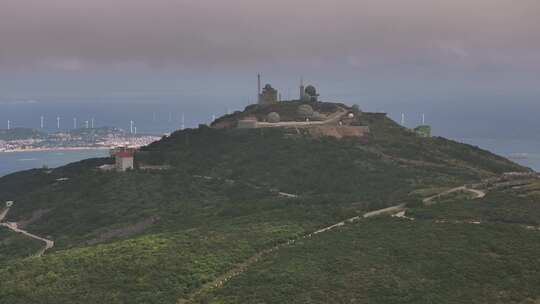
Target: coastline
<point>54,149</point>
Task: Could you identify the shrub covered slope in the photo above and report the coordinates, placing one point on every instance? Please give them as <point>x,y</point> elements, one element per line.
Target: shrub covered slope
<point>159,236</point>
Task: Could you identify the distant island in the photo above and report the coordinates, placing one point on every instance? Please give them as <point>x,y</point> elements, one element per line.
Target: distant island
<point>25,139</point>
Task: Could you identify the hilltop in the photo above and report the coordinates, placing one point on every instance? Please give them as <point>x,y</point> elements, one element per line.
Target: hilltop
<point>276,214</point>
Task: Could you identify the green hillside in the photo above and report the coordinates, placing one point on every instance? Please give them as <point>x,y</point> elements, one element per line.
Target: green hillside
<point>230,195</point>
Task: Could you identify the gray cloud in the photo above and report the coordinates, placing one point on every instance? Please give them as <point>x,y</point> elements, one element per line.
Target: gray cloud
<point>75,35</point>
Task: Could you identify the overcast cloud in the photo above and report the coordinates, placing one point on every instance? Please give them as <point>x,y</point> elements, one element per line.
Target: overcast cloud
<point>77,34</point>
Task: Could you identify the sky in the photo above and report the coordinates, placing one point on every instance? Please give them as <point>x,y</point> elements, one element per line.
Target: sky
<point>464,62</point>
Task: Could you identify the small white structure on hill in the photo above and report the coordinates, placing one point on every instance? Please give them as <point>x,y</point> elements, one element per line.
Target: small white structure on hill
<point>124,160</point>
<point>9,204</point>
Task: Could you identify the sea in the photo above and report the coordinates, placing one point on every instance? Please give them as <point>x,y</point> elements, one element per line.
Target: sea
<point>524,152</point>
<point>17,161</point>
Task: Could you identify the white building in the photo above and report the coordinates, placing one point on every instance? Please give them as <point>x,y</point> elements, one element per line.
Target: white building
<point>124,160</point>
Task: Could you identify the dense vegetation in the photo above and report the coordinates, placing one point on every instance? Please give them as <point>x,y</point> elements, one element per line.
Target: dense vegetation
<point>158,236</point>
<point>397,261</point>
<point>14,246</point>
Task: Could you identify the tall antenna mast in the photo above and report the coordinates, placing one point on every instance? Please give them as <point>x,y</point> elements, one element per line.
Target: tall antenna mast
<point>258,88</point>
<point>42,120</point>
<point>402,119</point>
<point>302,89</point>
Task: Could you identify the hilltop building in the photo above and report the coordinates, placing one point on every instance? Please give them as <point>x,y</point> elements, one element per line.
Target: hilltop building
<point>268,95</point>
<point>124,159</point>
<point>309,93</point>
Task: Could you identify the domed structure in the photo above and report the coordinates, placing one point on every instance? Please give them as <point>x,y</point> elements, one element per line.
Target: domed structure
<point>310,94</point>
<point>305,111</point>
<point>273,117</point>
<point>318,116</point>
<point>311,90</point>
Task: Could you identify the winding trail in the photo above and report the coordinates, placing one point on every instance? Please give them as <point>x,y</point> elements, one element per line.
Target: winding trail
<point>477,194</point>
<point>397,211</point>
<point>242,267</point>
<point>14,227</point>
<point>3,214</point>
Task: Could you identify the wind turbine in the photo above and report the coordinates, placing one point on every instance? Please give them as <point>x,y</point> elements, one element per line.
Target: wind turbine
<point>183,126</point>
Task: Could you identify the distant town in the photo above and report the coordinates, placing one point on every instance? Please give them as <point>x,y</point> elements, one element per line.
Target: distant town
<point>24,139</point>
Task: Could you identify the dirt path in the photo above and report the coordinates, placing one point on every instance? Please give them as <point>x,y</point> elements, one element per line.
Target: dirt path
<point>3,214</point>
<point>13,226</point>
<point>477,194</point>
<point>397,211</point>
<point>287,195</point>
<point>333,118</point>
<point>241,268</point>
<point>385,211</point>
